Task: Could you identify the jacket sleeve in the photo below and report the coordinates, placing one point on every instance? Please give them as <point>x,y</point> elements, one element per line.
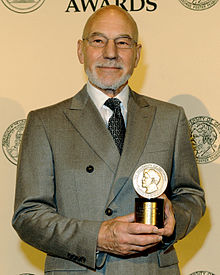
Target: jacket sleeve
<point>185,192</point>
<point>36,218</point>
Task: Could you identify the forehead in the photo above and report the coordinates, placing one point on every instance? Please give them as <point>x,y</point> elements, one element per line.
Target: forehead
<point>110,23</point>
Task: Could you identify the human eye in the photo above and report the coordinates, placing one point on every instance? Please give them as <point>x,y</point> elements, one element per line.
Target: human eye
<point>97,41</point>
<point>123,42</point>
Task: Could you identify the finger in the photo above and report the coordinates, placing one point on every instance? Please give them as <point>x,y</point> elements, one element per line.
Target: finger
<point>144,240</point>
<point>163,196</point>
<point>127,218</point>
<point>141,228</point>
<point>133,249</point>
<point>160,231</point>
<point>169,225</point>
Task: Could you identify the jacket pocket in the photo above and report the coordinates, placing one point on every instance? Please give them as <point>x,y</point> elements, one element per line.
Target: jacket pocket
<point>168,257</point>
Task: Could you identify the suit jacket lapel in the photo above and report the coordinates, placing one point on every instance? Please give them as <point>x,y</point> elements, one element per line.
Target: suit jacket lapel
<point>86,119</point>
<point>139,122</point>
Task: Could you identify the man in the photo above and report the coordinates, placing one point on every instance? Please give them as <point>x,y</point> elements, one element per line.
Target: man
<point>74,195</point>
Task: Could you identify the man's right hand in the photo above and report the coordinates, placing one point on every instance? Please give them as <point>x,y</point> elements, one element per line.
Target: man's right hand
<point>122,236</point>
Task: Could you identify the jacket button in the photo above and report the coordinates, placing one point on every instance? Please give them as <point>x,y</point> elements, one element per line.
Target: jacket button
<point>90,169</point>
<point>108,211</point>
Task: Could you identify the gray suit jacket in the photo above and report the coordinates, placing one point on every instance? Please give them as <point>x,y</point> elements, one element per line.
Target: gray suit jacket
<point>70,172</point>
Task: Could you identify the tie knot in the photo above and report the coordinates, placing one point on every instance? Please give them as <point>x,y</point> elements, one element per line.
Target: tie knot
<point>113,103</point>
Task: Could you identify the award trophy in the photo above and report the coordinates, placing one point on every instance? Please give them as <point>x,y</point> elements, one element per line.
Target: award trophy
<point>150,181</point>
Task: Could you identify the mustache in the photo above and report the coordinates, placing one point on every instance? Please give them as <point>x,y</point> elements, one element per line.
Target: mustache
<point>109,64</point>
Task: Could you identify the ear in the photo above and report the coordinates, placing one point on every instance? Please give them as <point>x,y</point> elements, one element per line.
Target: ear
<point>80,52</point>
<point>138,54</point>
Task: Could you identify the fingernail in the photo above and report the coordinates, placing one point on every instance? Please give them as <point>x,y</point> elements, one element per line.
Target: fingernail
<point>155,230</point>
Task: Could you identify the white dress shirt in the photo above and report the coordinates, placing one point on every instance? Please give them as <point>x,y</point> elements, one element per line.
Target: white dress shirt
<point>99,98</point>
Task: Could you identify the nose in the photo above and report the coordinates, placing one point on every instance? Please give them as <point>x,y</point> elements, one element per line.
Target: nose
<point>110,50</point>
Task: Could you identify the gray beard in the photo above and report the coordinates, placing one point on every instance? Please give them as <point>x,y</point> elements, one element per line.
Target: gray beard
<point>95,81</point>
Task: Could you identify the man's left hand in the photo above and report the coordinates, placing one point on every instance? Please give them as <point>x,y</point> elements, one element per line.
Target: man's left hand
<point>169,223</point>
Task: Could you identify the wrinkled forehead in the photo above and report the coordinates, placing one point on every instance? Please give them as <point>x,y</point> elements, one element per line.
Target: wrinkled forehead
<point>111,22</point>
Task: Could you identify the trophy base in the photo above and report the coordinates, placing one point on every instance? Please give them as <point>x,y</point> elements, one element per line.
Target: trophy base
<point>150,211</point>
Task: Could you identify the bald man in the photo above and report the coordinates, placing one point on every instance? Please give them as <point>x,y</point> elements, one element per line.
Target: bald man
<point>74,194</point>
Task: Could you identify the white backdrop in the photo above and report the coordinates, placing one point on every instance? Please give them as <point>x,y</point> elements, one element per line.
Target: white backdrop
<point>180,63</point>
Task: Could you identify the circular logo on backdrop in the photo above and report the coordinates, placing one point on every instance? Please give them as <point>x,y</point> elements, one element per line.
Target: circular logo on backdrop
<point>202,273</point>
<point>23,6</point>
<point>12,139</point>
<point>198,5</point>
<point>205,137</point>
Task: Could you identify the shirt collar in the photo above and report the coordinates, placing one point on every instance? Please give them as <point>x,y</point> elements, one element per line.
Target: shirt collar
<point>99,98</point>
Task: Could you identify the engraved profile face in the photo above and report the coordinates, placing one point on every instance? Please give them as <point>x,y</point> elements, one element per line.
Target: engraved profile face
<point>150,180</point>
<point>203,138</point>
<point>11,140</point>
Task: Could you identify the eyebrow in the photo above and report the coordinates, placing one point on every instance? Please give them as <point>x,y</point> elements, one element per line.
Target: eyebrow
<point>102,34</point>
